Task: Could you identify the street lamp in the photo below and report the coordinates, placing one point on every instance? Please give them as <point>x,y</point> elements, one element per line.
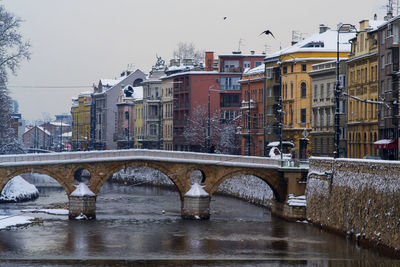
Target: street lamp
<point>127,118</point>
<point>338,91</point>
<point>280,105</point>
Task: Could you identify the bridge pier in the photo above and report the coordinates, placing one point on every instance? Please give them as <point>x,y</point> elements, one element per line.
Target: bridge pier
<point>82,207</point>
<point>82,203</point>
<point>196,208</point>
<point>293,205</point>
<point>196,204</point>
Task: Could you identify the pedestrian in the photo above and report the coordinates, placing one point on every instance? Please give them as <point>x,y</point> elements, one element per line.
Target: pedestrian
<point>212,149</point>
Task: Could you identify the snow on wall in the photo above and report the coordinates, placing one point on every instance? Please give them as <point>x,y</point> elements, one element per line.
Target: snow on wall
<point>249,188</point>
<point>358,197</point>
<point>17,189</point>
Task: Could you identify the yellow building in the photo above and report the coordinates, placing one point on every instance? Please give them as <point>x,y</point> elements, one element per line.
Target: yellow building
<point>80,112</point>
<point>296,90</point>
<point>362,73</point>
<point>138,123</point>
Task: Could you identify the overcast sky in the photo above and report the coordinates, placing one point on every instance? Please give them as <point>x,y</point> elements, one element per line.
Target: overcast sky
<point>77,42</point>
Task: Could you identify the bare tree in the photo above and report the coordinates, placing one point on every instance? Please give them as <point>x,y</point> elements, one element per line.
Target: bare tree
<point>188,50</point>
<point>12,51</point>
<point>222,135</point>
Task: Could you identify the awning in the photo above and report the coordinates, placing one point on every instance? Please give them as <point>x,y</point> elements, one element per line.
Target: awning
<point>386,144</point>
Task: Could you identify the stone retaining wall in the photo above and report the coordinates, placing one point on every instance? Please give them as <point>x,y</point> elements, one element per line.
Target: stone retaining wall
<point>358,197</point>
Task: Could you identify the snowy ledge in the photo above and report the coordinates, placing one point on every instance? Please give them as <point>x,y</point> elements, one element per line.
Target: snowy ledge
<point>19,220</point>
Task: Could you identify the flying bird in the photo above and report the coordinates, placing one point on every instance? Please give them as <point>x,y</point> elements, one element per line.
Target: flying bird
<point>266,32</point>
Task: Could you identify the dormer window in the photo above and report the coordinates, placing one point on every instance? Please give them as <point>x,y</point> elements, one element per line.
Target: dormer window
<point>313,44</point>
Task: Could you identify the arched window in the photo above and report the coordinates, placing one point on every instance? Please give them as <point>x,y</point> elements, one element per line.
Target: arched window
<point>303,87</point>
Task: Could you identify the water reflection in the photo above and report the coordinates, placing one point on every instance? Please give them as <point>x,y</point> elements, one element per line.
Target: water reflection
<point>130,225</point>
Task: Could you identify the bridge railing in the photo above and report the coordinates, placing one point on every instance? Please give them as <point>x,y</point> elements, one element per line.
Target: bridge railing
<point>139,153</point>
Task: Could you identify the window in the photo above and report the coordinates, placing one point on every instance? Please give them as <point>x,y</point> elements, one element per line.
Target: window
<point>321,92</point>
<point>269,73</point>
<point>291,68</point>
<point>303,89</point>
<point>321,118</point>
<point>328,117</point>
<point>303,115</point>
<point>389,58</point>
<point>284,70</point>
<point>257,63</point>
<point>153,129</point>
<point>328,90</point>
<point>303,67</point>
<point>246,64</point>
<point>315,92</point>
<point>382,62</point>
<point>269,92</point>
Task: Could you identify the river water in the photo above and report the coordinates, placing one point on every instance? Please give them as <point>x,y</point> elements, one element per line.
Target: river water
<point>142,225</point>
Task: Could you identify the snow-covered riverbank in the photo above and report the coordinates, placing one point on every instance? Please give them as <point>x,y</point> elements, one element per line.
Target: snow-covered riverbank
<point>246,187</point>
<point>17,189</point>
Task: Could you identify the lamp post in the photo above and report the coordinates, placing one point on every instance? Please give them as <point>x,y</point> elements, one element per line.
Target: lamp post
<point>280,111</point>
<point>338,91</point>
<point>127,118</point>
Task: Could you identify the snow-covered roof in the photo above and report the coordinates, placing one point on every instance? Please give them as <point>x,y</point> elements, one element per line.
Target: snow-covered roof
<point>67,134</point>
<point>320,42</point>
<point>256,70</point>
<point>43,130</point>
<point>59,123</point>
<point>82,190</point>
<point>375,24</point>
<point>111,82</point>
<point>196,191</point>
<point>190,72</point>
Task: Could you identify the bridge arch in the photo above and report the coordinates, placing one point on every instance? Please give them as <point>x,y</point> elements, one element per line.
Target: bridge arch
<point>97,180</point>
<point>272,179</point>
<point>65,185</point>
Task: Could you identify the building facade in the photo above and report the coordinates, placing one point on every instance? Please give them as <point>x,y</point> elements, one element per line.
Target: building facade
<point>296,62</point>
<point>362,72</point>
<point>80,112</point>
<point>252,109</point>
<point>104,110</point>
<point>126,116</point>
<point>388,76</point>
<point>323,84</point>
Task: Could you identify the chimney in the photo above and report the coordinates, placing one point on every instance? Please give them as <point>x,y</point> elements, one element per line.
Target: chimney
<point>252,52</point>
<point>375,17</point>
<point>209,60</point>
<point>323,28</point>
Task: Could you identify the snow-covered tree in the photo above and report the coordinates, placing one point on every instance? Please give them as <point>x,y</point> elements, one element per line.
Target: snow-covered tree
<point>12,51</point>
<point>222,135</point>
<point>188,50</point>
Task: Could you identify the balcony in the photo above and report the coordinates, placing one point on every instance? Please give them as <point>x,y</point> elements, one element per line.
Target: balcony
<point>236,70</point>
<point>230,87</point>
<point>245,105</point>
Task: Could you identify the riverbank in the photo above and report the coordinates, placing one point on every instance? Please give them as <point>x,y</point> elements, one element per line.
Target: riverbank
<point>18,190</point>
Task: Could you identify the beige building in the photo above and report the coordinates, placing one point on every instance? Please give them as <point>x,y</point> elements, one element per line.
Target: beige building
<point>167,97</point>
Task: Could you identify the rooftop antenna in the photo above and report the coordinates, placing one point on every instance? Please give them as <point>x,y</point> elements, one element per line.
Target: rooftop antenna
<point>240,43</point>
<point>266,48</point>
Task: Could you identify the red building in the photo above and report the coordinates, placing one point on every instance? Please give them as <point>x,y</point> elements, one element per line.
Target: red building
<point>200,95</point>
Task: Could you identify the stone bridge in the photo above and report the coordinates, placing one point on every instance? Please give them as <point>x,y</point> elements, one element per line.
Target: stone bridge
<point>178,166</point>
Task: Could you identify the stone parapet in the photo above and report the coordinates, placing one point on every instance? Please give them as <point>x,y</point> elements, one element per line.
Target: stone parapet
<point>357,197</point>
<point>82,207</point>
